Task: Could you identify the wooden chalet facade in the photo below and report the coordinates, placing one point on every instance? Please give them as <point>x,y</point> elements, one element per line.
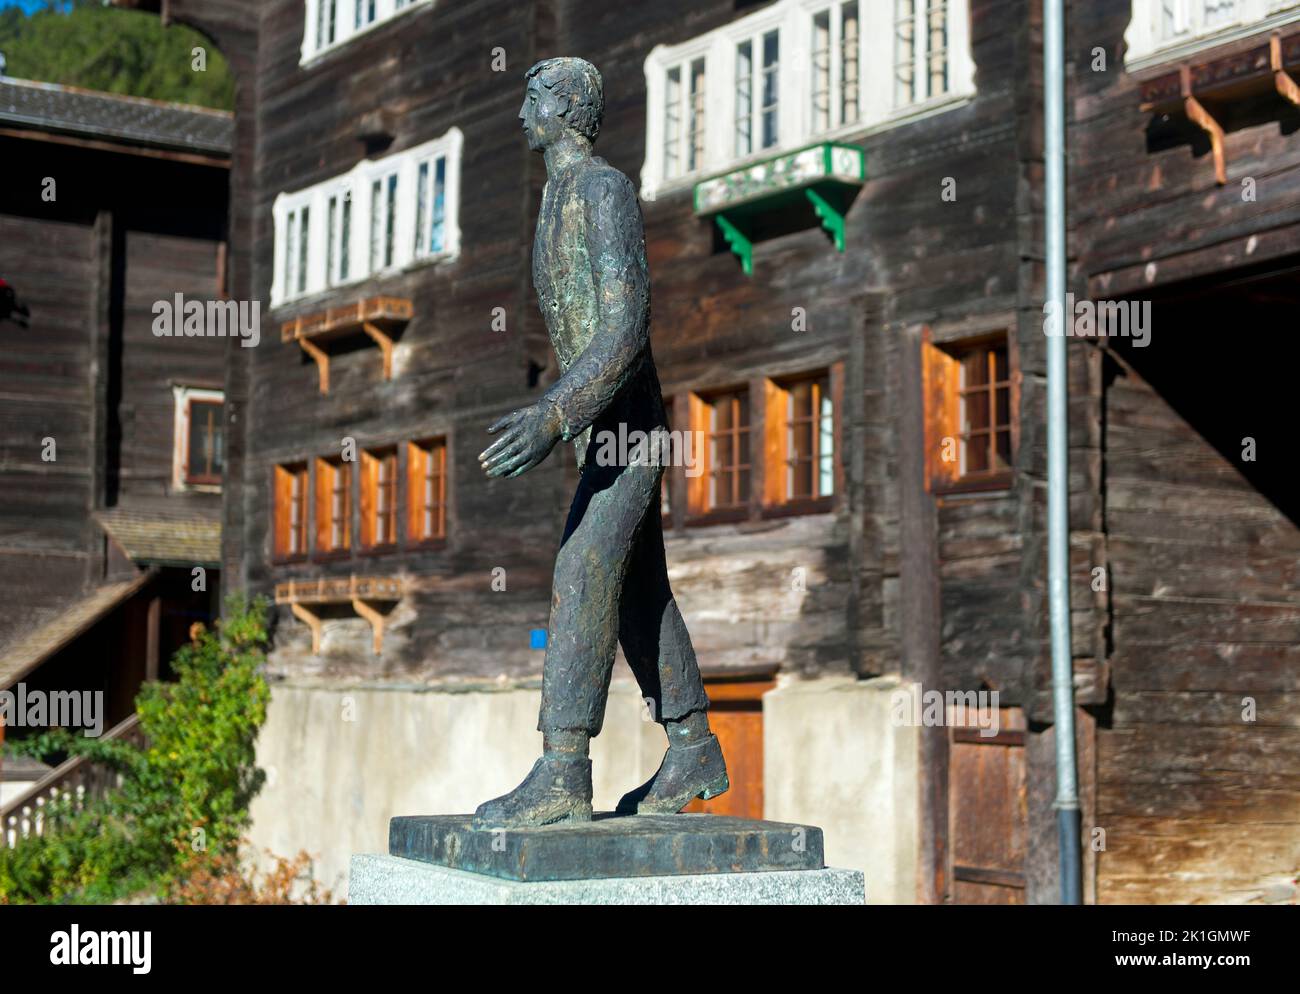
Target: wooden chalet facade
<point>843,206</point>
<point>110,436</point>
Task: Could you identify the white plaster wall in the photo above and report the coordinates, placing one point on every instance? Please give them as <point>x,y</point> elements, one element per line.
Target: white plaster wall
<point>333,784</point>
<point>833,758</point>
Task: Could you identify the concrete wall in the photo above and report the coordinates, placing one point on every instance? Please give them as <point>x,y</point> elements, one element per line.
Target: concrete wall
<point>341,761</point>
<point>832,757</point>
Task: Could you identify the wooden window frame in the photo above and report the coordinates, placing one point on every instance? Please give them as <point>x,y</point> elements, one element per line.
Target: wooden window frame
<point>699,508</point>
<point>417,462</point>
<point>941,373</point>
<point>373,461</point>
<point>200,479</point>
<point>281,503</point>
<point>325,471</point>
<point>184,398</point>
<point>776,432</point>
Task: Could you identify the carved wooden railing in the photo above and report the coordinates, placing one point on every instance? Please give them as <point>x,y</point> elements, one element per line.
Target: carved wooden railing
<point>63,791</point>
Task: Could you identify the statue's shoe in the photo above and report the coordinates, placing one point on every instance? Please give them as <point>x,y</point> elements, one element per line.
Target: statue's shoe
<point>687,772</point>
<point>558,788</point>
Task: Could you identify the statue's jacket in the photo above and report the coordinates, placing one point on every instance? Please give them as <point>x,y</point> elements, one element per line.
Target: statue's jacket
<point>593,285</point>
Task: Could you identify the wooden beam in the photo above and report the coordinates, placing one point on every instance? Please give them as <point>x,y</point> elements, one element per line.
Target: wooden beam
<point>1201,117</point>
<point>376,622</point>
<point>1283,80</point>
<point>322,362</point>
<point>193,158</point>
<point>312,621</point>
<point>920,613</point>
<point>152,638</point>
<point>385,344</point>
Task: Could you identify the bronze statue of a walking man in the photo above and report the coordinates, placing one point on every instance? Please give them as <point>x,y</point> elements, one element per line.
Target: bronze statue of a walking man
<point>611,581</point>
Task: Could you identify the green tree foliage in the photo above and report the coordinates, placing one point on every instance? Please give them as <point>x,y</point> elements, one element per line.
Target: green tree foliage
<point>184,797</point>
<point>119,51</point>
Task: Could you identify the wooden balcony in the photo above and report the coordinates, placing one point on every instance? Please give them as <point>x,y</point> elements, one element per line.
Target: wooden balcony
<point>374,317</point>
<point>360,593</point>
<point>1203,91</point>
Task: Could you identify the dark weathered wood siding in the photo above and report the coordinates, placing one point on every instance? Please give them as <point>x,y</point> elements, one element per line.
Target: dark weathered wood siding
<point>122,232</point>
<point>1199,803</point>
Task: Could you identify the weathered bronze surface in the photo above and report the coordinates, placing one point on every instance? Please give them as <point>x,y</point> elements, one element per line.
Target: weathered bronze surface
<point>611,581</point>
<point>609,846</point>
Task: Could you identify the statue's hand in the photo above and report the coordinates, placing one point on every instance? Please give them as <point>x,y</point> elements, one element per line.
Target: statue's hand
<point>527,437</point>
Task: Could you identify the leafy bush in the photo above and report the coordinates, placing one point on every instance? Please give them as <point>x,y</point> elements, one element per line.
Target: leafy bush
<point>84,43</point>
<point>184,796</point>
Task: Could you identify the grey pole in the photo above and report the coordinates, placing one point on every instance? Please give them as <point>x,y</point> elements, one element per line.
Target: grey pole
<point>1058,482</point>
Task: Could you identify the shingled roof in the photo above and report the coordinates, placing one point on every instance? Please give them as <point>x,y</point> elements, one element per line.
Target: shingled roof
<point>166,539</point>
<point>115,118</point>
<point>29,650</point>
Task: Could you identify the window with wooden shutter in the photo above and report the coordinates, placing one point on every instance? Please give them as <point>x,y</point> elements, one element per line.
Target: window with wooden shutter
<point>971,400</point>
<point>799,439</point>
<point>722,418</point>
<point>290,509</point>
<point>379,499</point>
<point>333,506</point>
<point>426,491</point>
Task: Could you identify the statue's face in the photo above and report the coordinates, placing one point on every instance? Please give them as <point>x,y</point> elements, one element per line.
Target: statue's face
<point>541,115</point>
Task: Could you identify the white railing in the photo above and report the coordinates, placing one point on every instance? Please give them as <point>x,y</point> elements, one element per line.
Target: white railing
<point>63,792</point>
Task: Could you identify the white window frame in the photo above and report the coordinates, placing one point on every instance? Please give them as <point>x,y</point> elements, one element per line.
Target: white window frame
<point>1148,42</point>
<point>426,204</point>
<point>795,116</point>
<point>345,25</point>
<point>181,398</point>
<point>357,183</point>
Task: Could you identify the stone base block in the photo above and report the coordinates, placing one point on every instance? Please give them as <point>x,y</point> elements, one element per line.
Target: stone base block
<point>381,879</point>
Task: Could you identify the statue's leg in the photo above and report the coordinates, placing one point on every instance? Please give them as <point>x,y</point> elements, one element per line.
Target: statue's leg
<point>659,651</point>
<point>590,569</point>
<point>590,566</point>
<point>653,635</point>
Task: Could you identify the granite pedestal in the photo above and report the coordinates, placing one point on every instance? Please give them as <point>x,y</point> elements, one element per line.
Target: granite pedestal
<point>655,859</point>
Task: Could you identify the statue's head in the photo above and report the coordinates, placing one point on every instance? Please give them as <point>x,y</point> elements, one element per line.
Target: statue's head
<point>563,95</point>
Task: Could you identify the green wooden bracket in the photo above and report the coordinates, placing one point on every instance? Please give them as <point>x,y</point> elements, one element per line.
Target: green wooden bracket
<point>832,218</point>
<point>739,242</point>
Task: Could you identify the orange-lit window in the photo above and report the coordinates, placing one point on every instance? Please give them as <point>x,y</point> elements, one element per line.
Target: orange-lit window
<point>426,490</point>
<point>724,420</point>
<point>291,511</point>
<point>799,440</point>
<point>970,404</point>
<point>333,505</point>
<point>379,498</point>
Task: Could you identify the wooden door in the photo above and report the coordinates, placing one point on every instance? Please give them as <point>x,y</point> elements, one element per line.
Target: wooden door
<point>988,820</point>
<point>736,716</point>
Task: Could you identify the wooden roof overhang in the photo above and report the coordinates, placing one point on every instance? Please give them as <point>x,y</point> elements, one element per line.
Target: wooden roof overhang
<point>374,317</point>
<point>1200,89</point>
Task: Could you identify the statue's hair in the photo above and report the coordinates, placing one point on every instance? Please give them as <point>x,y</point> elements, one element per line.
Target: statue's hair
<point>578,82</point>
